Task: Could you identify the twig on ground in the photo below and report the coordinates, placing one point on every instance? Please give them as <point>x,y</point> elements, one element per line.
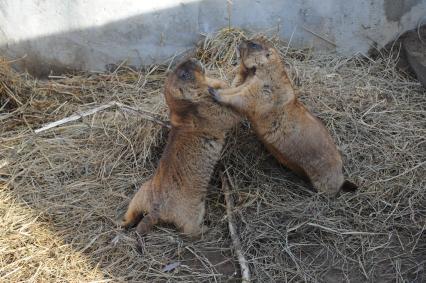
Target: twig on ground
<point>320,36</point>
<point>245,271</point>
<point>147,115</point>
<point>57,77</point>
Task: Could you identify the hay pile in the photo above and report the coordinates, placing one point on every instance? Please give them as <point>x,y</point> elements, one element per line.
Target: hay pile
<point>63,191</point>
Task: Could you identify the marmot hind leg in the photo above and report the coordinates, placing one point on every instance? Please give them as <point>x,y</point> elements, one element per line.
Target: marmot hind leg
<point>147,222</point>
<point>189,218</point>
<point>329,184</point>
<point>136,209</point>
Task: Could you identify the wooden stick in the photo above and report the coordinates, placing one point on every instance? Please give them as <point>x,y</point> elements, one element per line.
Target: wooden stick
<point>320,36</point>
<point>147,115</point>
<point>74,117</point>
<point>245,271</point>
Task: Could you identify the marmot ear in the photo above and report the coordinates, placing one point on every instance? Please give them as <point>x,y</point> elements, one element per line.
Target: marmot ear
<point>262,38</point>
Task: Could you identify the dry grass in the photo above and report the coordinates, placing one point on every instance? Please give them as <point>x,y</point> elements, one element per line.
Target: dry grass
<point>62,191</point>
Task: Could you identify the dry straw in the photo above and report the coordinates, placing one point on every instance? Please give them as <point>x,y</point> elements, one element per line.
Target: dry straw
<point>62,191</point>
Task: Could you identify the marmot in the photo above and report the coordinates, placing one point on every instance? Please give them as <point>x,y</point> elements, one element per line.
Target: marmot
<point>176,193</point>
<point>289,131</point>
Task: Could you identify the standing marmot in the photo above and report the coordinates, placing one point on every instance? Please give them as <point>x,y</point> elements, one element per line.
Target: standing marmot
<point>176,193</point>
<point>290,132</point>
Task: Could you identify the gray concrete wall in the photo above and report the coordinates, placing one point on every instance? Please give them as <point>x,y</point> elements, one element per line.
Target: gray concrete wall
<point>89,34</point>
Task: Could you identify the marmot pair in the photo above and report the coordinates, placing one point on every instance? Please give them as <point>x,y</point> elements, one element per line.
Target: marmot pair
<point>263,93</point>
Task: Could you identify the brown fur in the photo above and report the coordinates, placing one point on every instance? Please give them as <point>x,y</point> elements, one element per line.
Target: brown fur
<point>289,131</point>
<point>176,192</point>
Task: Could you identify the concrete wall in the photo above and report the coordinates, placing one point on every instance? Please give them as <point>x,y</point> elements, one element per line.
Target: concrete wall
<point>89,34</point>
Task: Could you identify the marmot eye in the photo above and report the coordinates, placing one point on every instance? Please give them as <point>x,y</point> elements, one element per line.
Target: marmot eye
<point>186,76</point>
<point>255,46</point>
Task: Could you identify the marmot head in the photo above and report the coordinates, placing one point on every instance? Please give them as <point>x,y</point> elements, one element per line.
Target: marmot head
<point>256,53</point>
<point>185,81</point>
<point>185,86</point>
